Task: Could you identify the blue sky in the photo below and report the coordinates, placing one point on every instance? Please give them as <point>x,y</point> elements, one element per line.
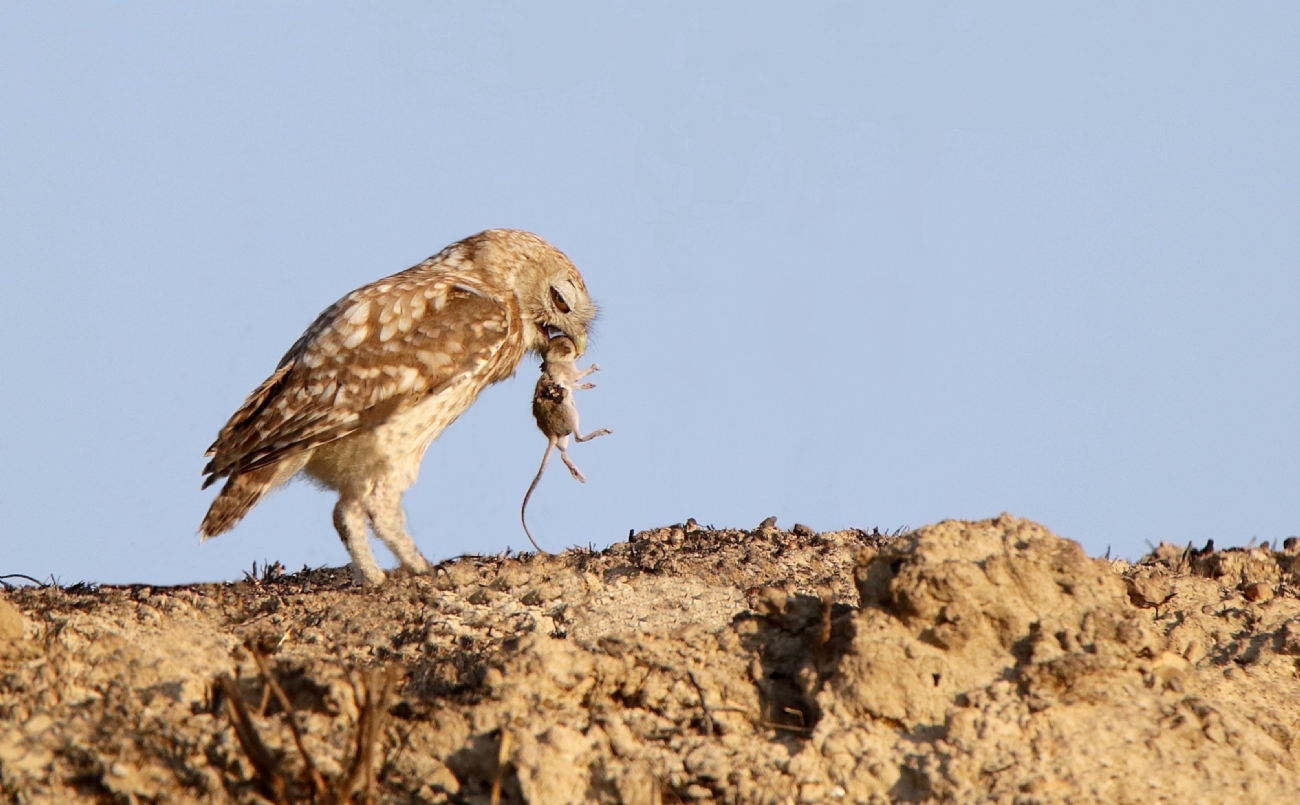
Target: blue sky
<point>860,264</point>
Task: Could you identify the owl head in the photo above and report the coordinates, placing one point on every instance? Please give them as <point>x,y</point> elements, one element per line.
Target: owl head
<point>552,296</point>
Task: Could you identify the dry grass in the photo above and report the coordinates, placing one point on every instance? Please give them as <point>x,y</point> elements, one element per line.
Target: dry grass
<point>373,696</point>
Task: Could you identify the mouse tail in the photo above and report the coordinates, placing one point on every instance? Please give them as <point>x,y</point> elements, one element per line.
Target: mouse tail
<point>523,510</point>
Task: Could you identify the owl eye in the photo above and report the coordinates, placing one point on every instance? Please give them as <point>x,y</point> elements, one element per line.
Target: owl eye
<point>558,301</point>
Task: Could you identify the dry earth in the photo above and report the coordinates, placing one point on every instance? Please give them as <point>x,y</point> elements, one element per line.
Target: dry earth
<point>964,662</point>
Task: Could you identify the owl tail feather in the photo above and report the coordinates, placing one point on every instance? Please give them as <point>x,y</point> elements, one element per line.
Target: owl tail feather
<point>241,493</point>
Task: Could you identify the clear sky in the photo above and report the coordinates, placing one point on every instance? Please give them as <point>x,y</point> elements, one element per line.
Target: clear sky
<point>860,264</point>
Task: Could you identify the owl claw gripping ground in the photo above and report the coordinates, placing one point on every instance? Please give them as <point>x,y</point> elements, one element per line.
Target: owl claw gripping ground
<point>557,414</point>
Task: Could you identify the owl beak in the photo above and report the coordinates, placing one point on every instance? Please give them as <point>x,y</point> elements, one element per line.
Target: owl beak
<point>550,331</point>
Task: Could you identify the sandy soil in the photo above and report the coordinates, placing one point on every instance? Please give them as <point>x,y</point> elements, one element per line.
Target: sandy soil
<point>963,662</point>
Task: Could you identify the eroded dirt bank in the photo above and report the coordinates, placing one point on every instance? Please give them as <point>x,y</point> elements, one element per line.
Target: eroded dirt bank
<point>964,662</point>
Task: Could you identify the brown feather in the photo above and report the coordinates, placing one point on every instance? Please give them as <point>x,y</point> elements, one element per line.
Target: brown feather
<point>241,493</point>
<point>299,407</point>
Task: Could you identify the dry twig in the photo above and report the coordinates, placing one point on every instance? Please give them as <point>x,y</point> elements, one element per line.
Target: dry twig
<point>372,699</point>
<point>268,768</point>
<point>317,782</point>
<point>503,757</point>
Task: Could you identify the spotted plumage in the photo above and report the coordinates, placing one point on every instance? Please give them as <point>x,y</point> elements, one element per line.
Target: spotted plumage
<point>357,400</point>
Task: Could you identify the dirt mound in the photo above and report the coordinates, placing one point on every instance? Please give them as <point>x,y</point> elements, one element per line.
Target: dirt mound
<point>963,662</point>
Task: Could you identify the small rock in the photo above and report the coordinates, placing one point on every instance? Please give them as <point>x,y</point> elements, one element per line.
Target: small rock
<point>1290,634</point>
<point>541,594</point>
<point>38,724</point>
<point>1146,589</point>
<point>767,525</point>
<point>1168,670</point>
<point>1291,545</point>
<point>769,600</point>
<point>1258,591</point>
<point>802,530</point>
<point>11,621</point>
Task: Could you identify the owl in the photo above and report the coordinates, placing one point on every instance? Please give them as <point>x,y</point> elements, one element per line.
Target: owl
<point>357,400</point>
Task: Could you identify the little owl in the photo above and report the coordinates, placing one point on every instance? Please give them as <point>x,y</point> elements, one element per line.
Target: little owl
<point>364,392</point>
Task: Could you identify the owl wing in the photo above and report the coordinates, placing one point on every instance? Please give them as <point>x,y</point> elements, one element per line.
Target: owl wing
<point>375,353</point>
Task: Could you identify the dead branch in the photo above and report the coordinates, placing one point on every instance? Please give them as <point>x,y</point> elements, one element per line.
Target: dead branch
<point>372,699</point>
<point>268,768</point>
<point>317,781</point>
<point>372,704</point>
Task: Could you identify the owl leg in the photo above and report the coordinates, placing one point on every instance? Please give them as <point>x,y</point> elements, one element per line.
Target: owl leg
<point>388,519</point>
<point>350,522</point>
